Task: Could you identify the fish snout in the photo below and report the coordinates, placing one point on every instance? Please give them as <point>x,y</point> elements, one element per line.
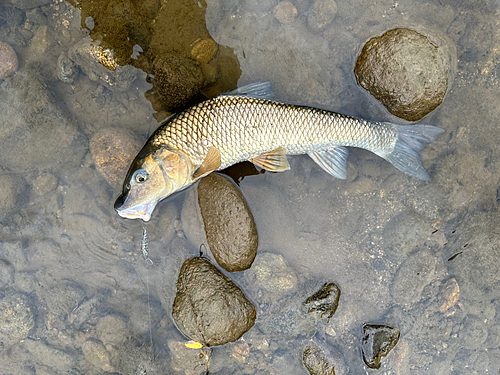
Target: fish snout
<point>119,203</point>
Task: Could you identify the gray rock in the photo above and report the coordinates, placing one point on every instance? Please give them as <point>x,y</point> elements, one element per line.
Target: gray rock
<point>473,255</point>
<point>86,309</point>
<point>324,301</point>
<point>39,131</point>
<point>412,276</point>
<point>49,355</point>
<point>208,307</point>
<point>11,17</point>
<point>229,224</point>
<point>44,183</point>
<point>9,190</point>
<point>28,4</point>
<point>64,298</point>
<point>112,329</point>
<point>98,65</point>
<point>377,342</point>
<point>177,79</point>
<point>474,333</point>
<point>6,274</point>
<point>8,60</point>
<point>285,12</point>
<point>321,14</point>
<point>315,361</point>
<point>16,319</point>
<point>272,275</point>
<point>405,71</point>
<point>98,355</point>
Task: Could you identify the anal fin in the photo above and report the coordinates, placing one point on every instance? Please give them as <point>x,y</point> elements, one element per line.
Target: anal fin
<point>211,163</point>
<point>274,161</point>
<point>333,161</point>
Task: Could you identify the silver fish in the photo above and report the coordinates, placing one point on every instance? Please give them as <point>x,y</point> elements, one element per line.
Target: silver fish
<point>244,124</point>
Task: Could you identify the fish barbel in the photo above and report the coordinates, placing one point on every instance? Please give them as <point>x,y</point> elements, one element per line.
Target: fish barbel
<point>245,124</point>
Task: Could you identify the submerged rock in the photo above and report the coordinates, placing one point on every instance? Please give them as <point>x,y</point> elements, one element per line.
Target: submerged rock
<point>378,341</point>
<point>229,224</point>
<point>271,275</point>
<point>321,14</point>
<point>412,277</point>
<point>450,293</point>
<point>285,12</point>
<point>315,361</point>
<point>324,301</point>
<point>8,60</point>
<point>208,307</point>
<point>16,319</point>
<point>113,150</point>
<point>177,79</point>
<point>405,71</point>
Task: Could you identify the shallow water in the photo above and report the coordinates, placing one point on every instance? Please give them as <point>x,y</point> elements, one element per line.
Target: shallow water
<point>390,242</point>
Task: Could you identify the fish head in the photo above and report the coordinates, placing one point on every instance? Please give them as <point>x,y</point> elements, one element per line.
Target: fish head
<point>155,174</point>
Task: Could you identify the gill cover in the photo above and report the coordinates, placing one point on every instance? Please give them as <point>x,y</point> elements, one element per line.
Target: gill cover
<point>153,176</point>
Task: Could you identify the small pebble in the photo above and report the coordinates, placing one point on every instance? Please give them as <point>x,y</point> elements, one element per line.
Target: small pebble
<point>450,293</point>
<point>44,183</point>
<point>378,341</point>
<point>285,12</point>
<point>204,50</point>
<point>324,301</point>
<point>8,60</point>
<point>321,14</point>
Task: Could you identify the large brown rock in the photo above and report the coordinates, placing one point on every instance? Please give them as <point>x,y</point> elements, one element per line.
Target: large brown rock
<point>208,307</point>
<point>405,71</point>
<point>229,224</point>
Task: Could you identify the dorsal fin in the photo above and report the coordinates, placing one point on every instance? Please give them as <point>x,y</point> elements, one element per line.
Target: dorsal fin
<point>274,161</point>
<point>259,90</point>
<point>210,164</point>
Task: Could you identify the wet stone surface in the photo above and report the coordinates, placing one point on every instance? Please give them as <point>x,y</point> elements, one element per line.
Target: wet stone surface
<point>321,14</point>
<point>377,342</point>
<point>17,319</point>
<point>325,301</point>
<point>229,225</point>
<point>113,150</point>
<point>405,71</point>
<point>8,60</point>
<point>208,307</point>
<point>316,362</point>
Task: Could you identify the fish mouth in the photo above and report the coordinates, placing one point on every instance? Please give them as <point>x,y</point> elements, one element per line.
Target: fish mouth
<point>140,211</point>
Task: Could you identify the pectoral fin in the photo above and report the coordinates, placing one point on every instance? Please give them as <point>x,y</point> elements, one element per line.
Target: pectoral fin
<point>333,161</point>
<point>274,161</point>
<point>211,163</point>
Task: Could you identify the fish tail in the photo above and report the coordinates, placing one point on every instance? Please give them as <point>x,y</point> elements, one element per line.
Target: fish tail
<point>411,140</point>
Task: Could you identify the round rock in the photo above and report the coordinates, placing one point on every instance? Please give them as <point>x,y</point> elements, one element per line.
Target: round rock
<point>404,71</point>
<point>208,307</point>
<point>285,12</point>
<point>177,79</point>
<point>321,14</point>
<point>316,362</point>
<point>8,60</point>
<point>112,150</point>
<point>229,225</point>
<point>16,319</point>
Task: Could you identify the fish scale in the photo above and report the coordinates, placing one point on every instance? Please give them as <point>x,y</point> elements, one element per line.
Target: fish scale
<point>242,128</point>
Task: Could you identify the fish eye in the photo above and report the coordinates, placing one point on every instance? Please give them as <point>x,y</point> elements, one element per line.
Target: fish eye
<point>140,176</point>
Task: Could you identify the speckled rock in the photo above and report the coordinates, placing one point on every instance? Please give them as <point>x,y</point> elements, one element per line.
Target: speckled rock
<point>208,307</point>
<point>204,50</point>
<point>112,329</point>
<point>98,355</point>
<point>44,183</point>
<point>316,362</point>
<point>16,319</point>
<point>321,14</point>
<point>177,79</point>
<point>98,64</point>
<point>229,225</point>
<point>285,12</point>
<point>412,276</point>
<point>405,71</point>
<point>270,274</point>
<point>325,301</point>
<point>8,60</point>
<point>113,150</point>
<point>377,342</point>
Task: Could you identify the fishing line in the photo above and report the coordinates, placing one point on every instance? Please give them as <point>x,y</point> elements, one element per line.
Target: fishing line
<point>149,262</point>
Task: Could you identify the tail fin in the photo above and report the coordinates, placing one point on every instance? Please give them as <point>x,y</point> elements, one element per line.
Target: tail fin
<point>411,140</point>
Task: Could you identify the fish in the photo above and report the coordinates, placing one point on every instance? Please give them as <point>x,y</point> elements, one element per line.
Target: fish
<point>246,124</point>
